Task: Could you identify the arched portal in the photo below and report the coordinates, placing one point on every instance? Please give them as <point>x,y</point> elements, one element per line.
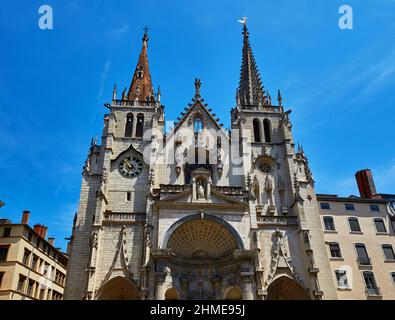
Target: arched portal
<point>118,288</point>
<point>285,288</point>
<point>205,237</point>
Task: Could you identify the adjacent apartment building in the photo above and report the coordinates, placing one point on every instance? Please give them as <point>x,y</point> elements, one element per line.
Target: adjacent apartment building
<point>31,268</point>
<point>359,234</point>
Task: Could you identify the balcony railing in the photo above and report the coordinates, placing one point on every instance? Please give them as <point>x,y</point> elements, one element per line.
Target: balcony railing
<point>264,108</point>
<point>375,291</point>
<point>124,217</point>
<point>228,190</point>
<point>134,103</point>
<point>281,220</point>
<point>364,261</point>
<point>174,188</point>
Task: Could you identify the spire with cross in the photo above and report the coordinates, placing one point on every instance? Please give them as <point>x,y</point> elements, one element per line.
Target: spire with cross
<point>145,36</point>
<point>141,87</point>
<point>250,91</point>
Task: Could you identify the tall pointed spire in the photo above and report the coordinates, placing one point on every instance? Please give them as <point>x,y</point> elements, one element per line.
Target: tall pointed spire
<point>141,86</point>
<point>250,91</point>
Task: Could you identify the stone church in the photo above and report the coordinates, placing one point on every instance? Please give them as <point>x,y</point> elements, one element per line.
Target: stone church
<point>198,211</point>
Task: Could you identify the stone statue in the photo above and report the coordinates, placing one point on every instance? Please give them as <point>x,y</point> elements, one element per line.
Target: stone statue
<point>148,242</point>
<point>268,184</point>
<point>198,84</point>
<point>200,190</point>
<point>179,159</point>
<point>105,175</point>
<point>94,239</point>
<point>220,155</point>
<point>255,185</point>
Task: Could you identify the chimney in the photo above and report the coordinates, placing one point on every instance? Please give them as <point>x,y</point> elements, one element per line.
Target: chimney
<point>44,230</point>
<point>37,229</point>
<point>51,241</point>
<point>365,183</point>
<point>40,230</point>
<point>25,217</point>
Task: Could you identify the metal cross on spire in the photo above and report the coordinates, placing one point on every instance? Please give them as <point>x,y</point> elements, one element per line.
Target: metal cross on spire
<point>243,20</point>
<point>145,36</point>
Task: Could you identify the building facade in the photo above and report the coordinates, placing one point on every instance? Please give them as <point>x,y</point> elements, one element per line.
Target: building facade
<point>201,212</point>
<point>359,233</point>
<point>31,268</point>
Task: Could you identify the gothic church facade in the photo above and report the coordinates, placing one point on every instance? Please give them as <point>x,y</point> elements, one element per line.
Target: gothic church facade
<point>200,212</point>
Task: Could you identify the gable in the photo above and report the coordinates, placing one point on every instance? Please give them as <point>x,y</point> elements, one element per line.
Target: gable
<point>199,109</point>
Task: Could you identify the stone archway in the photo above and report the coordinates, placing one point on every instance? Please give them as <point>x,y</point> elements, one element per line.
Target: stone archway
<point>197,236</point>
<point>200,250</point>
<point>285,288</point>
<point>233,293</point>
<point>118,288</point>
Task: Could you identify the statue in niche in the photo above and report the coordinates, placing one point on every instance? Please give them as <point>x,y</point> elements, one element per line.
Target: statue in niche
<point>179,158</point>
<point>268,184</point>
<point>220,159</point>
<point>255,185</point>
<point>220,155</point>
<point>200,190</point>
<point>148,243</point>
<point>105,175</point>
<point>94,239</point>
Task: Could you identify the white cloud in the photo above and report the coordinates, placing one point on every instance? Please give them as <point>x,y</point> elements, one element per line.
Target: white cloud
<point>359,71</point>
<point>103,77</point>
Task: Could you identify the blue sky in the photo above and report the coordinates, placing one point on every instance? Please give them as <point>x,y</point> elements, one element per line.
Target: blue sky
<point>53,84</point>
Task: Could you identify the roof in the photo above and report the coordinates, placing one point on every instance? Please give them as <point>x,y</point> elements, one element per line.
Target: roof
<point>350,199</point>
<point>141,87</point>
<point>250,91</point>
<point>198,104</point>
<point>36,234</point>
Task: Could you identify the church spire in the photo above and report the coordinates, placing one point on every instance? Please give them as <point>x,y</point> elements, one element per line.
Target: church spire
<point>250,91</point>
<point>141,87</point>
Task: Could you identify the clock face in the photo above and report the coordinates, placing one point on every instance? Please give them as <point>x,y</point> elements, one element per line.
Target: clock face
<point>130,167</point>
